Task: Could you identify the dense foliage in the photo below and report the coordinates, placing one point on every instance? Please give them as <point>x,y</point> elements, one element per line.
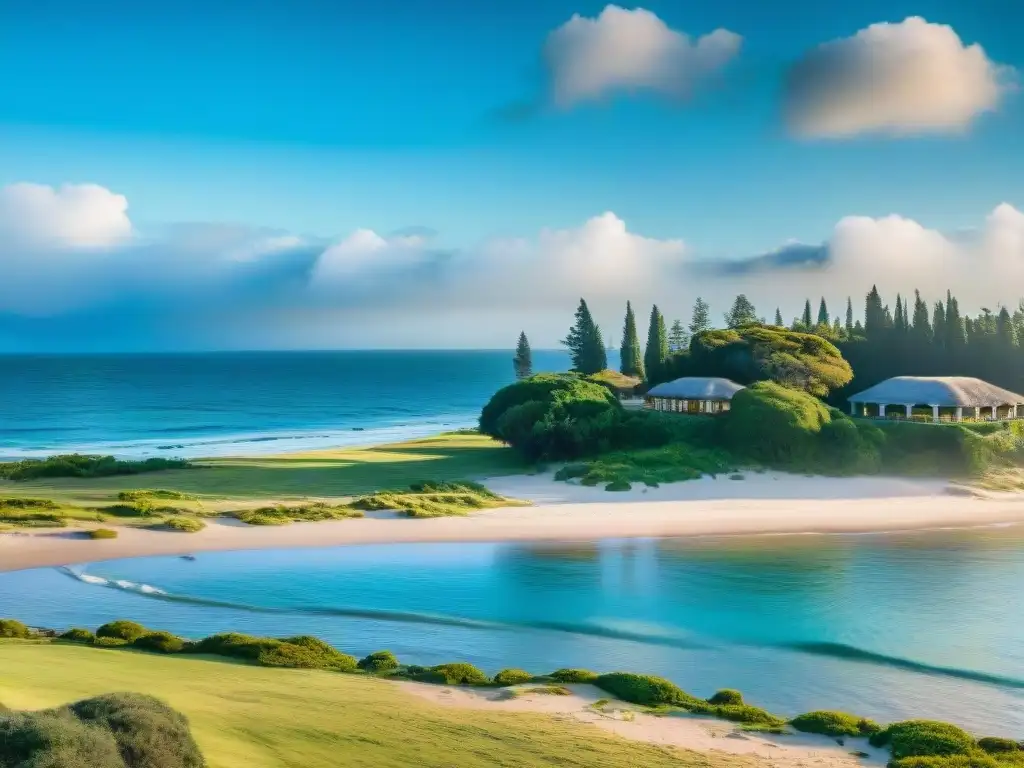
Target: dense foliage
<point>379,662</point>
<point>14,629</point>
<point>831,723</point>
<point>119,730</point>
<point>631,361</point>
<point>79,465</point>
<point>512,677</point>
<point>585,343</point>
<point>129,631</point>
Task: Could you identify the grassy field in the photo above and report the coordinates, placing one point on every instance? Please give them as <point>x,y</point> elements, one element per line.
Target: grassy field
<point>223,483</point>
<point>253,717</point>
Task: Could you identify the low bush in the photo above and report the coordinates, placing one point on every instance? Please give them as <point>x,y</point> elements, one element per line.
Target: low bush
<point>129,631</point>
<point>305,513</point>
<point>79,465</point>
<point>727,696</point>
<point>738,713</point>
<point>976,759</point>
<point>433,499</point>
<point>512,677</point>
<point>153,493</point>
<point>102,533</point>
<point>831,723</point>
<point>458,673</point>
<point>924,738</point>
<point>110,642</point>
<point>160,642</point>
<point>184,524</point>
<point>379,662</point>
<point>15,629</point>
<point>547,690</point>
<point>305,652</point>
<point>17,502</point>
<point>645,689</point>
<point>78,635</point>
<point>573,676</point>
<point>996,745</point>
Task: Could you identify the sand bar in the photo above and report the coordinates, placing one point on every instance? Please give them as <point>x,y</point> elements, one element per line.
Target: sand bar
<point>759,504</point>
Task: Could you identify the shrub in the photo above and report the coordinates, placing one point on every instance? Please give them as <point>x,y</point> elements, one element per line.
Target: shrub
<point>775,425</point>
<point>305,652</point>
<point>102,533</point>
<point>15,629</point>
<point>996,745</point>
<point>458,673</point>
<point>79,465</point>
<point>976,759</point>
<point>121,629</point>
<point>924,738</point>
<point>379,661</point>
<point>512,677</point>
<point>184,524</point>
<point>618,486</point>
<point>109,642</point>
<point>153,493</point>
<point>78,635</point>
<point>644,689</point>
<point>739,713</point>
<point>550,390</point>
<point>160,641</point>
<point>234,645</point>
<point>574,676</point>
<point>830,723</point>
<point>727,696</point>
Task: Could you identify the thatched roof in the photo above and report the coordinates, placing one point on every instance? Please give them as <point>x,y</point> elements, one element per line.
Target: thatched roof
<point>937,390</point>
<point>696,388</point>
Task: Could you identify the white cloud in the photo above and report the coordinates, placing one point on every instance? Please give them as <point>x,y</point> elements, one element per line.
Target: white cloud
<point>629,50</point>
<point>72,216</point>
<point>909,78</point>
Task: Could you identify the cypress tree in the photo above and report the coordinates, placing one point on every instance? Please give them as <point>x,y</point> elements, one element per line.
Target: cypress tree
<point>677,337</point>
<point>778,317</point>
<point>849,315</point>
<point>1005,336</point>
<point>806,320</point>
<point>586,347</point>
<point>939,325</point>
<point>657,345</point>
<point>630,360</point>
<point>874,314</point>
<point>922,326</point>
<point>837,327</point>
<point>523,360</point>
<point>955,331</point>
<point>823,316</point>
<point>899,320</point>
<point>701,319</point>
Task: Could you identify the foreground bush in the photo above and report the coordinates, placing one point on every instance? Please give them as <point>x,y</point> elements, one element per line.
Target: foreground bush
<point>378,662</point>
<point>924,738</point>
<point>512,677</point>
<point>645,689</point>
<point>114,731</point>
<point>830,723</point>
<point>12,628</point>
<point>129,631</point>
<point>160,642</point>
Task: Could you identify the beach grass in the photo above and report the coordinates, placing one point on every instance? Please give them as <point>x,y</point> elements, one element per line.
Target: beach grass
<point>253,717</point>
<point>217,484</point>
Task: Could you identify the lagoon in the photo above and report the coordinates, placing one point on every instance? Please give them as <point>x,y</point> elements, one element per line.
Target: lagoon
<point>888,626</point>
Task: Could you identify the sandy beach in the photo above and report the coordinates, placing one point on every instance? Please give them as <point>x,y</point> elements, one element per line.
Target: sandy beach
<point>699,734</point>
<point>767,503</point>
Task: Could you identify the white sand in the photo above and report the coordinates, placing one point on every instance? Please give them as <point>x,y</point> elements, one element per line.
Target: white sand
<point>760,503</point>
<point>698,734</point>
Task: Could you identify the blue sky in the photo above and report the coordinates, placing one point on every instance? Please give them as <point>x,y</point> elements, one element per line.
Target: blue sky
<point>322,118</point>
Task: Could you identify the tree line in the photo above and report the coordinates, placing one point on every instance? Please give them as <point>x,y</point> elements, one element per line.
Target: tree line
<point>911,339</point>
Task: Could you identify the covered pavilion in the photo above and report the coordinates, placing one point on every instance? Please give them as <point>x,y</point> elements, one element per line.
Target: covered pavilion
<point>950,398</point>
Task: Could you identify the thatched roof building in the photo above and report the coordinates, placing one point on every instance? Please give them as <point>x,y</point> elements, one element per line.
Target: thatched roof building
<point>937,393</point>
<point>692,394</point>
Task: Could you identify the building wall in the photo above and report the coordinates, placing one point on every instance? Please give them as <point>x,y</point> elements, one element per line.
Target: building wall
<point>679,405</point>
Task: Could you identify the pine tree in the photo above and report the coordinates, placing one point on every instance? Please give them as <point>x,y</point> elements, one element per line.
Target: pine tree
<point>899,320</point>
<point>849,316</point>
<point>701,319</point>
<point>742,313</point>
<point>806,320</point>
<point>939,325</point>
<point>657,346</point>
<point>874,314</point>
<point>1005,335</point>
<point>837,327</point>
<point>778,317</point>
<point>823,316</point>
<point>678,339</point>
<point>523,360</point>
<point>630,359</point>
<point>586,347</point>
<point>922,326</point>
<point>955,330</point>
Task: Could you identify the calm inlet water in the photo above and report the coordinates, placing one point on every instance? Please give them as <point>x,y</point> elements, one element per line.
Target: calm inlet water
<point>231,404</point>
<point>890,626</point>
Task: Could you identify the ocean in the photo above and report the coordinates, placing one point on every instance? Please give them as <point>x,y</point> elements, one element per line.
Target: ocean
<point>233,404</point>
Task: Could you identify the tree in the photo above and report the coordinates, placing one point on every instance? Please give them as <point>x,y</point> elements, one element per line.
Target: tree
<point>899,320</point>
<point>939,325</point>
<point>701,319</point>
<point>849,316</point>
<point>922,326</point>
<point>631,362</point>
<point>778,317</point>
<point>678,338</point>
<point>657,345</point>
<point>955,335</point>
<point>874,314</point>
<point>742,313</point>
<point>1006,336</point>
<point>806,319</point>
<point>523,360</point>
<point>823,316</point>
<point>586,347</point>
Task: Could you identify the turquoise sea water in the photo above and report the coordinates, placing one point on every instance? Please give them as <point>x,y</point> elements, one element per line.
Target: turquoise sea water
<point>241,403</point>
<point>890,626</point>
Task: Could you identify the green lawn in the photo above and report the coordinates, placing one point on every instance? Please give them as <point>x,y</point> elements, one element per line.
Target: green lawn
<point>322,474</point>
<point>254,717</point>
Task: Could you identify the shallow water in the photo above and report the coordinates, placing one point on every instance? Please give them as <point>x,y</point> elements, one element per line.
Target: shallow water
<point>926,624</point>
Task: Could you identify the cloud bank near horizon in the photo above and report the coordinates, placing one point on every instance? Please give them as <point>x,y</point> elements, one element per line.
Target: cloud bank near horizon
<point>77,274</point>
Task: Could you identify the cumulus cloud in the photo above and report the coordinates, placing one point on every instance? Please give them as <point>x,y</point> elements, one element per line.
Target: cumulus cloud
<point>236,286</point>
<point>73,216</point>
<point>630,50</point>
<point>901,79</point>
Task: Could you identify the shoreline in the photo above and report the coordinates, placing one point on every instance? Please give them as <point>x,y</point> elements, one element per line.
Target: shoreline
<point>764,504</point>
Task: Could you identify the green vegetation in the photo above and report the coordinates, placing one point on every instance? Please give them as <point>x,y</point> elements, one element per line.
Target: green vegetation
<point>184,524</point>
<point>160,642</point>
<point>631,363</point>
<point>15,629</point>
<point>522,363</point>
<point>573,676</point>
<point>101,533</point>
<point>113,731</point>
<point>652,466</point>
<point>647,690</point>
<point>656,351</point>
<point>379,662</point>
<point>122,629</point>
<point>78,465</point>
<point>585,343</point>
<point>434,500</point>
<point>295,652</point>
<point>546,690</point>
<point>512,677</point>
<point>458,673</point>
<point>924,738</point>
<point>829,723</point>
<point>283,515</point>
<point>728,696</point>
<point>78,635</point>
<point>995,745</point>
